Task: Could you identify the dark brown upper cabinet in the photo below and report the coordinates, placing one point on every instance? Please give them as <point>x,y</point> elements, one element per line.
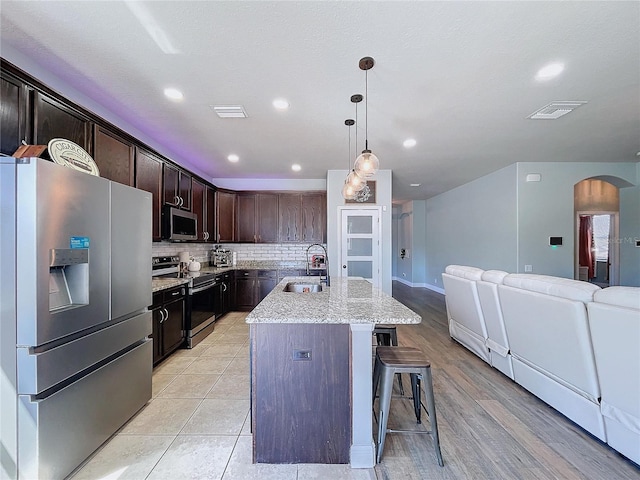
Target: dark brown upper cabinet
<point>149,177</point>
<point>114,156</point>
<point>257,217</point>
<point>203,205</point>
<point>53,119</point>
<point>13,114</point>
<point>177,187</point>
<point>225,216</point>
<point>314,217</point>
<point>302,217</point>
<point>210,214</point>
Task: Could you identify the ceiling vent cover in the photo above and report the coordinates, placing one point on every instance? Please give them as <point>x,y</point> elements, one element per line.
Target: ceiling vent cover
<point>229,111</point>
<point>555,110</point>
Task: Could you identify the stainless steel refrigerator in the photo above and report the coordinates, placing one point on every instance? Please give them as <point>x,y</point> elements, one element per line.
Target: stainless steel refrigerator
<point>75,283</point>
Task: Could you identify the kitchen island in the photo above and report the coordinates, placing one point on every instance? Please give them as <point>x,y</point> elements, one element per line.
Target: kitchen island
<point>311,364</point>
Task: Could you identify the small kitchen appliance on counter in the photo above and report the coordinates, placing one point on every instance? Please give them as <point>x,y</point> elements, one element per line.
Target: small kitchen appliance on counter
<point>220,257</point>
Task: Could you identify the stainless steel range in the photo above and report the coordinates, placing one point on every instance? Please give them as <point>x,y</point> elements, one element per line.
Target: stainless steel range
<point>203,299</point>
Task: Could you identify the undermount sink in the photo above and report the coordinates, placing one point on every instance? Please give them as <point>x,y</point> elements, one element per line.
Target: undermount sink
<point>302,287</point>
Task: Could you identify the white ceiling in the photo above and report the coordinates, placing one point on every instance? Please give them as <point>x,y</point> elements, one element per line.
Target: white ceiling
<point>456,76</point>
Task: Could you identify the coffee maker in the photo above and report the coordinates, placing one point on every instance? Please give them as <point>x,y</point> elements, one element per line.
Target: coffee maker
<point>220,257</point>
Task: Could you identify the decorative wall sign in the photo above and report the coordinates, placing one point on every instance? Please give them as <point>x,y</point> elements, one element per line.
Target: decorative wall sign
<point>71,155</point>
<point>366,195</point>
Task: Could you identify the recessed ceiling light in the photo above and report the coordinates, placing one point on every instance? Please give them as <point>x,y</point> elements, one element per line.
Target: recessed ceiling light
<point>550,71</point>
<point>414,184</point>
<point>233,158</point>
<point>295,167</point>
<point>281,104</point>
<point>409,142</point>
<point>173,94</point>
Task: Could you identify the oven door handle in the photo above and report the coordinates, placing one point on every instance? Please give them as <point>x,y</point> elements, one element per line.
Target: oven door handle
<point>202,289</point>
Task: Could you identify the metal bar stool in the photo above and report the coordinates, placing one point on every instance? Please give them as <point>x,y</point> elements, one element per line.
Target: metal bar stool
<point>388,336</point>
<point>392,360</point>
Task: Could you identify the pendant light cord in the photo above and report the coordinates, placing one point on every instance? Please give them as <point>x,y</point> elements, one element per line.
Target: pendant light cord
<point>366,110</point>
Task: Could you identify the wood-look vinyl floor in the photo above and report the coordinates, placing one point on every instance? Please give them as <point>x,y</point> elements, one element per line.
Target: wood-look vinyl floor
<point>490,427</point>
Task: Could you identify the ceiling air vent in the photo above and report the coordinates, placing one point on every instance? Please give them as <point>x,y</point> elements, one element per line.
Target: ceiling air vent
<point>555,110</point>
<point>229,111</point>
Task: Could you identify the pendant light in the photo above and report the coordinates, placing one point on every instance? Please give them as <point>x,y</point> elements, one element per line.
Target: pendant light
<point>356,181</point>
<point>367,164</point>
<point>353,183</point>
<point>348,193</point>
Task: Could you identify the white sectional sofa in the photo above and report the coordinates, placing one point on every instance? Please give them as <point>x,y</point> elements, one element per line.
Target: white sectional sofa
<point>546,322</point>
<point>572,344</point>
<point>466,321</point>
<point>497,341</point>
<point>614,321</point>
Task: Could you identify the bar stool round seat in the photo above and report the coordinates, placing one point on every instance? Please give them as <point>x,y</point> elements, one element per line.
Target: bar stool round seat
<point>391,360</point>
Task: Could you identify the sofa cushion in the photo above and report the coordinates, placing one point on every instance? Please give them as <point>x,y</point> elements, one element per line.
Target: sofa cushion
<point>628,297</point>
<point>555,286</point>
<point>494,276</point>
<point>463,271</point>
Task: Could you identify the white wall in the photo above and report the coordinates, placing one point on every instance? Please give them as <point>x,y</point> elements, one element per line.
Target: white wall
<point>474,224</point>
<point>410,224</point>
<point>501,221</point>
<point>335,181</point>
<point>630,233</point>
<point>546,208</point>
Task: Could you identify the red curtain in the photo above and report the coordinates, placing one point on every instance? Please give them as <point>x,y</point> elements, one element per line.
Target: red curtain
<point>586,254</point>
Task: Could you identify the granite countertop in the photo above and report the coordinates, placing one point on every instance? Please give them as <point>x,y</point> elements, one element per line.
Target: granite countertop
<point>158,284</point>
<point>349,301</point>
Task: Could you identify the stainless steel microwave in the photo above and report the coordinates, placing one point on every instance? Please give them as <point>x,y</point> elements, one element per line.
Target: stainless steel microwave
<point>179,225</point>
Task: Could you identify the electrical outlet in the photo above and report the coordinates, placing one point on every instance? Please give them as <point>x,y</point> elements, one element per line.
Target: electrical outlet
<point>435,280</point>
<point>528,268</point>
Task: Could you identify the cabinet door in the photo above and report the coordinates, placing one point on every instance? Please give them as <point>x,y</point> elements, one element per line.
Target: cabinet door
<point>198,207</point>
<point>267,217</point>
<point>245,291</point>
<point>184,189</point>
<point>173,333</point>
<point>149,178</point>
<point>52,119</point>
<point>170,175</point>
<point>13,114</point>
<point>113,155</point>
<point>314,218</point>
<point>156,334</point>
<point>265,285</point>
<point>228,297</point>
<point>246,218</point>
<point>209,214</point>
<point>225,216</point>
<point>289,217</point>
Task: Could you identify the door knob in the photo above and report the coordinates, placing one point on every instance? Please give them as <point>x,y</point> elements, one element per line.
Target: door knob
<point>344,266</point>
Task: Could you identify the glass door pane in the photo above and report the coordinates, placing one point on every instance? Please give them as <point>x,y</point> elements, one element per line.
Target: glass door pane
<point>360,244</point>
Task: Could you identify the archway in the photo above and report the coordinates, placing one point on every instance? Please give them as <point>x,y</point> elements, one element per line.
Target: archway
<point>597,223</point>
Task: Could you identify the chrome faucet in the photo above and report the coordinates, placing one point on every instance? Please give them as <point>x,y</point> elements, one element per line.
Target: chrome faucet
<point>326,261</point>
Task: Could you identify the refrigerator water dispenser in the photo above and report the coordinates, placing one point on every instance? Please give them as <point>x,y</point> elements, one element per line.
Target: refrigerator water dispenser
<point>68,278</point>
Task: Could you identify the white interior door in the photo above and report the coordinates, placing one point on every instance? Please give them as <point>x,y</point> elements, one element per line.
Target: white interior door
<point>360,244</point>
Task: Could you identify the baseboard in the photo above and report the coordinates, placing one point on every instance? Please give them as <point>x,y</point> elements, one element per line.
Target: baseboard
<point>418,285</point>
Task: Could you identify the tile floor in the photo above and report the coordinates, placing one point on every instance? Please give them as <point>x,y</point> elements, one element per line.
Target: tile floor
<point>196,426</point>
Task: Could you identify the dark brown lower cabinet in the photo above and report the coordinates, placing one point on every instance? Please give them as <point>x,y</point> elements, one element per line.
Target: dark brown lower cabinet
<point>301,400</point>
<point>168,329</point>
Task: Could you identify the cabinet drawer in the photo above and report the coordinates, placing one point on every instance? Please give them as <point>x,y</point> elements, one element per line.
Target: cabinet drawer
<point>267,273</point>
<point>246,273</point>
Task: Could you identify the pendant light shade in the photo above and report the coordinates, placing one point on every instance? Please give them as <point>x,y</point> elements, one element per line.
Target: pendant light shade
<point>348,193</point>
<point>356,181</point>
<point>367,164</point>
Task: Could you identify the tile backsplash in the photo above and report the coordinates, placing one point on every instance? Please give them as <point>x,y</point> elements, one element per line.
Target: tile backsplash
<point>276,252</point>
